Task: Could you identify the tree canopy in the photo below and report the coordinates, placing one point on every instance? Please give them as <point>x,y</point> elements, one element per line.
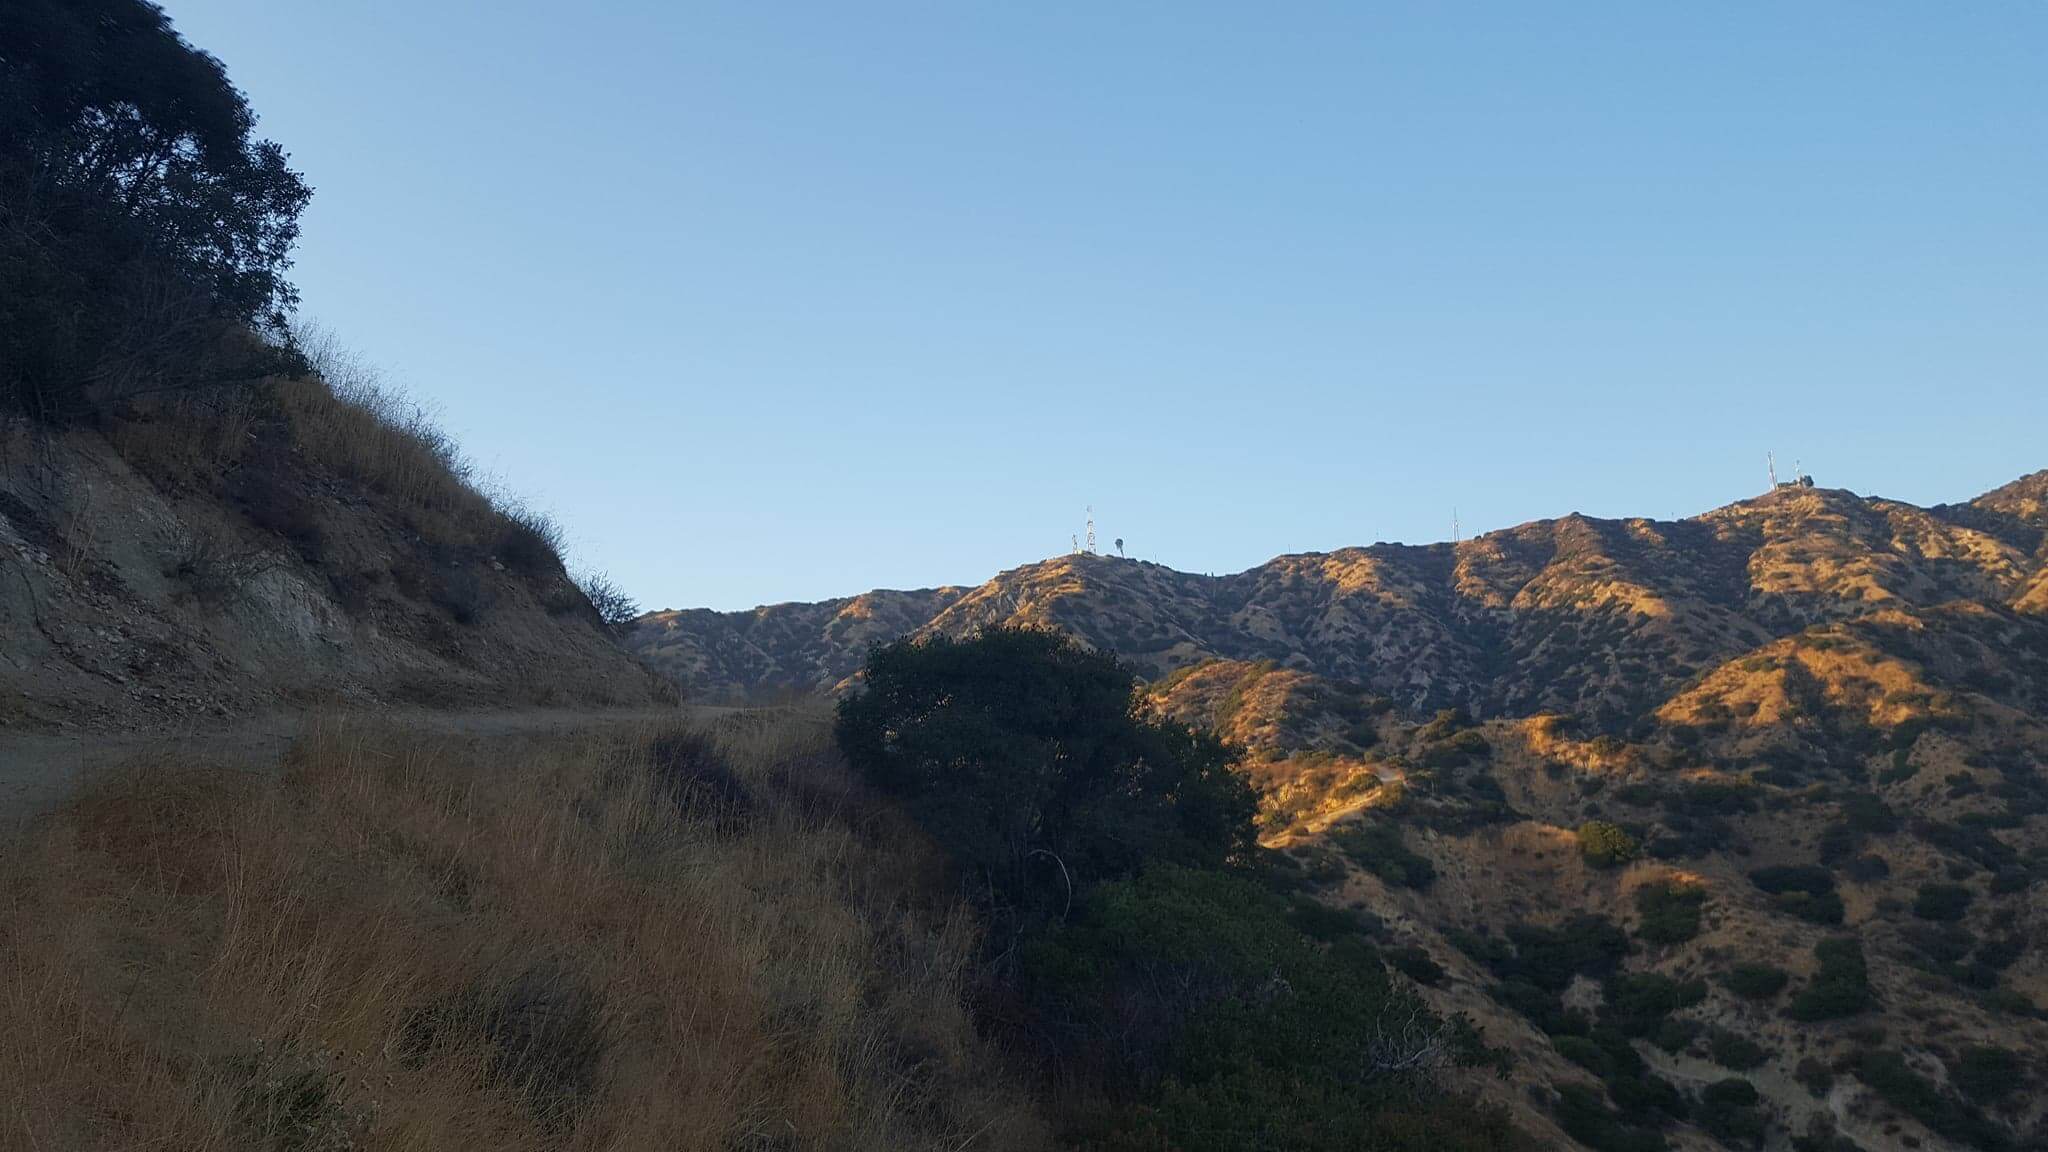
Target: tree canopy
<point>1151,962</point>
<point>142,224</point>
<point>1021,752</point>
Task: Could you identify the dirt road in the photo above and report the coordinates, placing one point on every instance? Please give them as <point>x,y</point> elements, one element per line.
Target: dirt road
<point>38,771</point>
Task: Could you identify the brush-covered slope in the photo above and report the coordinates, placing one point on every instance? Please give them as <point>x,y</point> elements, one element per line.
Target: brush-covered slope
<point>1601,618</point>
<point>1732,829</point>
<point>791,648</point>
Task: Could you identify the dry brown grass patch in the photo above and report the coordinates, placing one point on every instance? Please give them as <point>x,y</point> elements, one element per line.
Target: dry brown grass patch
<point>414,942</point>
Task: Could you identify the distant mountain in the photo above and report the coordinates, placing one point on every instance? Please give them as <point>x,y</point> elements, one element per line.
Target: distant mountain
<point>781,648</point>
<point>1760,795</point>
<point>1604,619</point>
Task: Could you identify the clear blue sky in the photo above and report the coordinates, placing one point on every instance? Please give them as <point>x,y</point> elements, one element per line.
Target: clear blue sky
<point>774,301</point>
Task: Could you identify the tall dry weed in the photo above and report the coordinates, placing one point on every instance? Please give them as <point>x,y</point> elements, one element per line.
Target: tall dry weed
<point>416,942</point>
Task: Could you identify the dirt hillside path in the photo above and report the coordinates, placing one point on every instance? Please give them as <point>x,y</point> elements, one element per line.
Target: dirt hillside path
<point>38,771</point>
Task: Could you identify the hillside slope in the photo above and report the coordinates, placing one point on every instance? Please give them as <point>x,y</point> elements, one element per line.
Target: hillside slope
<point>1755,796</point>
<point>783,647</point>
<point>230,551</point>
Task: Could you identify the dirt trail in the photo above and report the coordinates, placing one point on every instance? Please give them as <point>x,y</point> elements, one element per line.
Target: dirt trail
<point>39,771</point>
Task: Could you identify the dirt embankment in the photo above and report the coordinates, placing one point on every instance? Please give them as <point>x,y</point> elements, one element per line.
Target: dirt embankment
<point>259,552</point>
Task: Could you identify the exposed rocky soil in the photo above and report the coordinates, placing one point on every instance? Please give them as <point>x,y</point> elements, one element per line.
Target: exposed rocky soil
<point>129,600</point>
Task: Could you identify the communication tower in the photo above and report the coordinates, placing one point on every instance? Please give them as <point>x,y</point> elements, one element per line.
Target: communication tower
<point>1799,477</point>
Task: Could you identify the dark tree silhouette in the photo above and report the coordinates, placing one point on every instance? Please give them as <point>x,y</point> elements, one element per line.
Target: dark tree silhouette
<point>143,230</point>
<point>1024,755</point>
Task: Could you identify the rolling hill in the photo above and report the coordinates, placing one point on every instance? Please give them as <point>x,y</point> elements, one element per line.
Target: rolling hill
<point>1731,829</point>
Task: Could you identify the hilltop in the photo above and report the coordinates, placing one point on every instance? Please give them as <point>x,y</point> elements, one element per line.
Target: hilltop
<point>1753,797</point>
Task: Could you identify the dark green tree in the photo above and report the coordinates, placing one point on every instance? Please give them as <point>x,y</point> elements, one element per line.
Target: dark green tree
<point>143,228</point>
<point>1149,964</point>
<point>1605,844</point>
<point>1025,756</point>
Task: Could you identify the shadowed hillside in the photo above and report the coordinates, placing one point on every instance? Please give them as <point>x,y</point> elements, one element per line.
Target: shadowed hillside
<point>233,549</point>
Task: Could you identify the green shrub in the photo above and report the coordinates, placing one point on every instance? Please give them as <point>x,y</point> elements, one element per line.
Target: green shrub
<point>1327,922</point>
<point>1379,847</point>
<point>2011,1002</point>
<point>1815,1076</point>
<point>1636,1003</point>
<point>1541,1007</point>
<point>1444,723</point>
<point>1729,1113</point>
<point>1943,902</point>
<point>1683,835</point>
<point>1825,908</point>
<point>1587,1054</point>
<point>1803,890</point>
<point>1642,1097</point>
<point>1605,845</point>
<point>1733,1090</point>
<point>1670,912</point>
<point>1550,957</point>
<point>1676,1035</point>
<point>1778,879</point>
<point>1972,842</point>
<point>2010,881</point>
<point>1840,985</point>
<point>1988,1075</point>
<point>1726,797</point>
<point>1866,813</point>
<point>1188,989</point>
<point>1888,1074</point>
<point>1585,1117</point>
<point>1999,954</point>
<point>1448,752</point>
<point>1755,981</point>
<point>1415,962</point>
<point>1734,1050</point>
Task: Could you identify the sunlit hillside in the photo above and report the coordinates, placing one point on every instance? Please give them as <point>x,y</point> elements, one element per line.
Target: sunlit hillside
<point>1777,770</point>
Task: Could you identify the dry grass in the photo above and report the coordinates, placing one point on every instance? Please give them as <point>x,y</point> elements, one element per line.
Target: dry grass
<point>343,422</point>
<point>371,435</point>
<point>348,421</point>
<point>405,942</point>
<point>190,435</point>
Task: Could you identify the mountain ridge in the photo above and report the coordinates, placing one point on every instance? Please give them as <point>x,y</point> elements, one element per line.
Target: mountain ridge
<point>1726,831</point>
<point>1446,613</point>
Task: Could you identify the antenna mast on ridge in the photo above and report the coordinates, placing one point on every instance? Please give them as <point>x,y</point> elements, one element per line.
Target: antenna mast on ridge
<point>1771,460</point>
<point>1091,529</point>
<point>1457,535</point>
